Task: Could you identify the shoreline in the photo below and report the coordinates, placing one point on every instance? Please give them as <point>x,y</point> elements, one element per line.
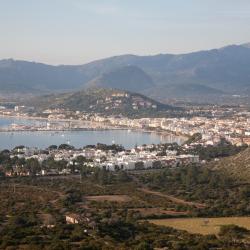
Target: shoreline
<point>108,127</point>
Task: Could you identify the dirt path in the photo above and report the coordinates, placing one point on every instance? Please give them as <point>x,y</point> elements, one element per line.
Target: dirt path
<point>172,198</point>
<point>158,211</point>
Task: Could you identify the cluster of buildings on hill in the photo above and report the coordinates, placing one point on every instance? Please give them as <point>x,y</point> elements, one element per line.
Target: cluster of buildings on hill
<point>118,99</point>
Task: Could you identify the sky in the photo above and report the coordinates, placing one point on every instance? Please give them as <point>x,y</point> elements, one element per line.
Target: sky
<point>80,31</point>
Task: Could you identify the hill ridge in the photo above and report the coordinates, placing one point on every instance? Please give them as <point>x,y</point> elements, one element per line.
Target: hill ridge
<point>103,101</point>
<point>219,69</point>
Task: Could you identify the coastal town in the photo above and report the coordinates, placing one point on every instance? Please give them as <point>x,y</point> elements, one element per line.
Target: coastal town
<point>229,123</point>
<point>112,158</point>
<point>208,129</point>
<point>124,125</point>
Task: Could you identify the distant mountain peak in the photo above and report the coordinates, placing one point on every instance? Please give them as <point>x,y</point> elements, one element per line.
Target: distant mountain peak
<point>246,45</point>
<point>210,72</point>
<point>130,78</point>
<point>5,62</point>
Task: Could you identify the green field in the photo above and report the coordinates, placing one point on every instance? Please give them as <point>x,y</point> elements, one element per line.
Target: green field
<point>202,225</point>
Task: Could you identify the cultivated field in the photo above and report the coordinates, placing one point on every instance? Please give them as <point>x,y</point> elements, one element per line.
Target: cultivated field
<point>201,225</point>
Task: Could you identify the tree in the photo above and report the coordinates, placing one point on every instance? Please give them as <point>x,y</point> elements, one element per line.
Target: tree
<point>139,165</point>
<point>66,147</point>
<point>194,138</point>
<point>144,246</point>
<point>52,147</point>
<point>157,164</point>
<point>33,166</point>
<point>233,232</point>
<point>2,174</point>
<point>122,176</point>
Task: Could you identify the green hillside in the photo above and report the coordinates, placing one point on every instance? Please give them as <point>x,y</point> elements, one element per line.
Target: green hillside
<point>104,101</point>
<point>236,166</point>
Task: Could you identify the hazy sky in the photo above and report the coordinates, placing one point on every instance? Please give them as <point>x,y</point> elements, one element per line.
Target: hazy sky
<point>78,31</point>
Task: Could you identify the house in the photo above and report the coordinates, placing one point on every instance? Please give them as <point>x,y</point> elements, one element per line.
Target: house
<point>73,219</point>
<point>85,219</point>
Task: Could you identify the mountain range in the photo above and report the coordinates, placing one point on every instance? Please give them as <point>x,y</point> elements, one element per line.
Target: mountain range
<point>224,71</point>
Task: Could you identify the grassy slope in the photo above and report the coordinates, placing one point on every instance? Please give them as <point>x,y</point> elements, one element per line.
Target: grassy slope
<point>237,166</point>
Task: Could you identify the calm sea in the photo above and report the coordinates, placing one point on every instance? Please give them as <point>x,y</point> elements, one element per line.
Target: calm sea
<point>78,139</point>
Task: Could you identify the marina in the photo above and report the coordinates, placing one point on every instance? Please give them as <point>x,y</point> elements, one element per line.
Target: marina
<point>43,139</point>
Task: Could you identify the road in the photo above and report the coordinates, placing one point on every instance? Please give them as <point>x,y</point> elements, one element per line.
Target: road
<point>172,198</point>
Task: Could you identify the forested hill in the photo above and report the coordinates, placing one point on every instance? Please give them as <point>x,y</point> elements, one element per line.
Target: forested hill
<point>104,101</point>
<point>236,166</point>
